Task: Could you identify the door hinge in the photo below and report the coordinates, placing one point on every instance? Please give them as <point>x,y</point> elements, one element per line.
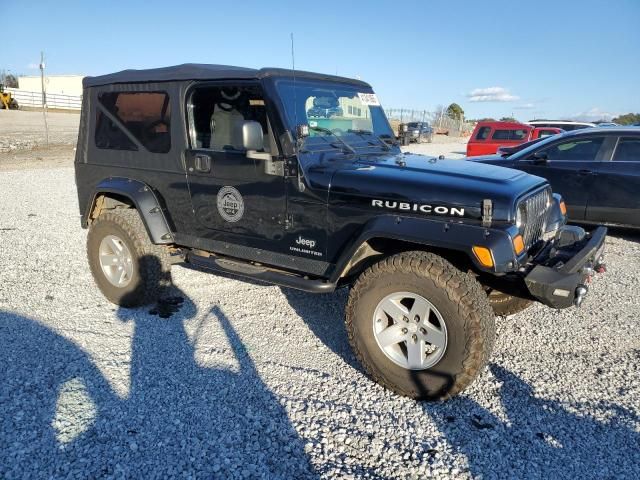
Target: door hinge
<point>288,221</point>
<point>487,212</point>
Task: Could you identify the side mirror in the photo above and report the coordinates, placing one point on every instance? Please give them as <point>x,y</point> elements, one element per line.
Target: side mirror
<point>252,137</point>
<point>540,158</point>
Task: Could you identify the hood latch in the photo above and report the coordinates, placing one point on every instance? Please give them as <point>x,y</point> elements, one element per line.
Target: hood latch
<point>487,212</point>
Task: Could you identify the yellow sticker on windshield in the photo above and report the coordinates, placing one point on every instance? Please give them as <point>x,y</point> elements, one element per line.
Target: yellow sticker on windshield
<point>369,99</point>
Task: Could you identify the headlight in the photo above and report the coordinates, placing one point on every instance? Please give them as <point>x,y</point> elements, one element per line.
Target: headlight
<point>520,217</point>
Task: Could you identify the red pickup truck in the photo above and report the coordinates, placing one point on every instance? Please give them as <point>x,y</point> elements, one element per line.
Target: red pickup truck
<point>488,136</point>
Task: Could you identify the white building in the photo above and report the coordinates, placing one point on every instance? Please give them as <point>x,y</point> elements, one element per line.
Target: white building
<point>54,84</point>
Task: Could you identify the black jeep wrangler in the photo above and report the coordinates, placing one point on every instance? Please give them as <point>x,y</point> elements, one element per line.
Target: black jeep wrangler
<point>295,179</point>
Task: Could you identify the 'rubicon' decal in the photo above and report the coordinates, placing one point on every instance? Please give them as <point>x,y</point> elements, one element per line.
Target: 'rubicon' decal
<point>419,207</point>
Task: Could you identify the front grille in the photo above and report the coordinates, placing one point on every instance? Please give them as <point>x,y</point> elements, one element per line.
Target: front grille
<point>536,211</point>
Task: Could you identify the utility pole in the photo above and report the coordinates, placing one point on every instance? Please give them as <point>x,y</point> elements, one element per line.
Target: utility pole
<point>44,100</point>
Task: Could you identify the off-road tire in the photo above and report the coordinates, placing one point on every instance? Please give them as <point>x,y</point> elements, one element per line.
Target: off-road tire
<point>13,105</point>
<point>461,301</point>
<point>504,304</point>
<point>152,269</point>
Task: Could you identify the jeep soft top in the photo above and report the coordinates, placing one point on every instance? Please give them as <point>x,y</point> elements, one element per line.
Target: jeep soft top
<point>295,179</point>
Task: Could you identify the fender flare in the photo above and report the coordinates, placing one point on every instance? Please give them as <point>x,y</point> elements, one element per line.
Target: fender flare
<point>436,234</point>
<point>145,201</point>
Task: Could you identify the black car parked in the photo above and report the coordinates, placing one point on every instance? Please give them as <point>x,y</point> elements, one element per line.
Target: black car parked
<point>597,171</point>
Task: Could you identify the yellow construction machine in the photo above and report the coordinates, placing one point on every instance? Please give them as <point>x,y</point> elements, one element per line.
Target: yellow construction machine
<point>6,99</point>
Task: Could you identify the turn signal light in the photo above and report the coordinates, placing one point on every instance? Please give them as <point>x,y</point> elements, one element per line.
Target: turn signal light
<point>563,208</point>
<point>518,244</point>
<point>483,254</point>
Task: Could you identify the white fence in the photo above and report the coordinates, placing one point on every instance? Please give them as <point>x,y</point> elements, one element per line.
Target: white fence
<point>54,100</point>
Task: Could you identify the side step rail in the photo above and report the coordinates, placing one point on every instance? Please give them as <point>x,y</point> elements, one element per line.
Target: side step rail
<point>259,273</point>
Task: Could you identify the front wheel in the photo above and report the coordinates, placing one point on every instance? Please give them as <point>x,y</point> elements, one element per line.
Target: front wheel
<point>504,304</point>
<point>128,269</point>
<point>420,326</point>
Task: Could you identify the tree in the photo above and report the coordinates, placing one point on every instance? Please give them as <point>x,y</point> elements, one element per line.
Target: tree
<point>508,119</point>
<point>485,119</point>
<point>8,79</point>
<point>627,119</point>
<point>455,111</point>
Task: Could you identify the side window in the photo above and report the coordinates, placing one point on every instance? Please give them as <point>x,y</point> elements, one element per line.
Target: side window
<point>145,115</point>
<point>483,133</point>
<point>628,150</point>
<point>519,134</point>
<point>218,113</point>
<point>583,149</point>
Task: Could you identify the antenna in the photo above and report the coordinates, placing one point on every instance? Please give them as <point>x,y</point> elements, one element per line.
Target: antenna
<point>293,70</point>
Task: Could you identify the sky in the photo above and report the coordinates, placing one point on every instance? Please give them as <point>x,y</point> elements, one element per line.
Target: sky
<point>576,59</point>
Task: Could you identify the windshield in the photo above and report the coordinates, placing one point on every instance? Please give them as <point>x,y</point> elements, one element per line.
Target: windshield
<point>524,153</point>
<point>333,109</point>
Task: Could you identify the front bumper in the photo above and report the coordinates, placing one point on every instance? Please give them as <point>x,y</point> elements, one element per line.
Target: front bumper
<point>563,269</point>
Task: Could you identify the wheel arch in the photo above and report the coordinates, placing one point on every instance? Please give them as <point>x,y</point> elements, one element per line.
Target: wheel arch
<point>119,192</point>
<point>389,235</point>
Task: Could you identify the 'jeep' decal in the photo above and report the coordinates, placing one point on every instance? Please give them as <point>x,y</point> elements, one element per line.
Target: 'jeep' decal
<point>419,207</point>
<point>230,204</point>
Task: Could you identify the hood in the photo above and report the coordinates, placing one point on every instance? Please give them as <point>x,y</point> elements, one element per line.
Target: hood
<point>395,181</point>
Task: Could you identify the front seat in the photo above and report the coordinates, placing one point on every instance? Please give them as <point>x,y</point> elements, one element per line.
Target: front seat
<point>226,128</point>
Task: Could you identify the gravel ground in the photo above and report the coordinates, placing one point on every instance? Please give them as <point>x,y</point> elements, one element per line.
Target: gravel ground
<point>250,381</point>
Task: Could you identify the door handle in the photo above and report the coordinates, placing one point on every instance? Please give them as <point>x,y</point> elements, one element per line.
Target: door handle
<point>202,163</point>
<point>585,171</point>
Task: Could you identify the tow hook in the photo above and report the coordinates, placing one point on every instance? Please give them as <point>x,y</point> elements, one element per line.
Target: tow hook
<point>581,292</point>
<point>600,266</point>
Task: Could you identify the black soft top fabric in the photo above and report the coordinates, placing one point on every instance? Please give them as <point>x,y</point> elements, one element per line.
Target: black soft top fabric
<point>198,71</point>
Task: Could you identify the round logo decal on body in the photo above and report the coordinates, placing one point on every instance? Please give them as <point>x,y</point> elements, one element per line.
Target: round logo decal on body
<point>230,204</point>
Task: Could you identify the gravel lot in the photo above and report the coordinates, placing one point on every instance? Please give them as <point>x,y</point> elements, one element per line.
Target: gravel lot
<point>250,381</point>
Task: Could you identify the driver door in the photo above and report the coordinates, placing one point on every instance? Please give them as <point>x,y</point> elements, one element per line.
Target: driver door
<point>237,196</point>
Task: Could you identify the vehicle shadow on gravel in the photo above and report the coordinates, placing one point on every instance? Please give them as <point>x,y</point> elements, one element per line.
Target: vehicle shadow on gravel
<point>324,314</point>
<point>629,234</point>
<point>540,438</point>
<point>61,418</point>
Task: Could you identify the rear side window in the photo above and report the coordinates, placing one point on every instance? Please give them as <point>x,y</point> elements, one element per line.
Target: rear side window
<point>584,150</point>
<point>546,133</point>
<point>517,134</point>
<point>628,150</point>
<point>144,115</point>
<point>483,133</point>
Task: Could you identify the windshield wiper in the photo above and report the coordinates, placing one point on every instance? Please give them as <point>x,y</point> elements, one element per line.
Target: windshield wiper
<point>329,132</point>
<point>362,133</point>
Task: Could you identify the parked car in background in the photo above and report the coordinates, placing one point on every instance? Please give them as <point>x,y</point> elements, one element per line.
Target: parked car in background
<point>420,132</point>
<point>607,124</point>
<point>542,132</point>
<point>597,171</point>
<point>487,137</point>
<point>507,150</point>
<point>565,125</point>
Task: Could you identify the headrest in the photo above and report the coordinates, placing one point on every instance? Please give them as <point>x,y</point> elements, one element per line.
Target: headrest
<point>325,102</point>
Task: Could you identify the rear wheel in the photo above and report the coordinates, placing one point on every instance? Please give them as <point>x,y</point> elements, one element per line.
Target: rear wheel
<point>128,269</point>
<point>420,326</point>
<point>13,105</point>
